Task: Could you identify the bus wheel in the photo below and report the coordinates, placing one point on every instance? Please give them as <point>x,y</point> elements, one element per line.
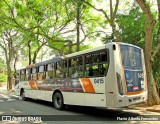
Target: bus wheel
<point>58,101</point>
<point>22,96</point>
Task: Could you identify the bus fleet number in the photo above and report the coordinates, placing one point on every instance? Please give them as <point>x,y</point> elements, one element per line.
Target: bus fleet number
<point>98,80</point>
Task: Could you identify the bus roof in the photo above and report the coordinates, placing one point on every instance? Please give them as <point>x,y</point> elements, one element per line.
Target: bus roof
<point>48,61</point>
<point>85,51</point>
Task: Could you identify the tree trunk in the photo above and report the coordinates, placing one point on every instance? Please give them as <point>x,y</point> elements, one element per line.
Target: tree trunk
<point>78,25</point>
<point>156,52</point>
<point>34,57</point>
<point>9,82</point>
<point>29,53</point>
<point>9,76</point>
<point>36,53</point>
<point>153,97</point>
<point>70,47</point>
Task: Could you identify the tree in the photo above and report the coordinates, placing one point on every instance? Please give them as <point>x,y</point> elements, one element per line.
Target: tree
<point>153,97</point>
<point>10,44</point>
<point>41,23</point>
<point>156,55</point>
<point>2,65</point>
<point>85,23</point>
<point>110,18</point>
<point>132,26</point>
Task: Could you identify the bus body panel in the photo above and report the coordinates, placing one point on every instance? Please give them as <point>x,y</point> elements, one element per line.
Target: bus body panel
<point>110,79</point>
<point>85,99</point>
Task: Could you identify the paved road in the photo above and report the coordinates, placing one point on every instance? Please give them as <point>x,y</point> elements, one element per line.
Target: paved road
<point>11,105</point>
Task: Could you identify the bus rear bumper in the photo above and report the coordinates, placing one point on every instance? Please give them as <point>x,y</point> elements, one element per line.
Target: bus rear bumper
<point>122,101</point>
<point>134,99</point>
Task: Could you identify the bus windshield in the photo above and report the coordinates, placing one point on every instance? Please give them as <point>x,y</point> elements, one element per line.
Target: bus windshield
<point>132,64</point>
<point>131,57</point>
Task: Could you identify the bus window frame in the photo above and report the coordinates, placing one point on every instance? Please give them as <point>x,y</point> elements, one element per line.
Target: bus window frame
<point>23,74</point>
<point>34,73</point>
<point>41,72</point>
<point>61,62</point>
<point>28,75</point>
<point>107,62</point>
<point>77,66</point>
<point>52,70</point>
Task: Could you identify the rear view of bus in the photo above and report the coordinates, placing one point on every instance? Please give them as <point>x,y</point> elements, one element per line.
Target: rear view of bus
<point>131,75</point>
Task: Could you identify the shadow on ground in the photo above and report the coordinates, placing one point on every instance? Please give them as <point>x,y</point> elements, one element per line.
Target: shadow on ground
<point>85,113</point>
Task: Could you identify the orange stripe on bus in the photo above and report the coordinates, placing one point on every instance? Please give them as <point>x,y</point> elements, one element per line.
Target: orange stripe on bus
<point>134,93</point>
<point>87,85</point>
<point>33,85</point>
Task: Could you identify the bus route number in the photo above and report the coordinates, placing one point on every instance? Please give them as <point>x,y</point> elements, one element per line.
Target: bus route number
<point>98,80</point>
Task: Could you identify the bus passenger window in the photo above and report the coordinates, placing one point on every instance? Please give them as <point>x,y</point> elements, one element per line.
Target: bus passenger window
<point>76,67</point>
<point>90,72</point>
<point>22,75</point>
<point>28,74</point>
<point>103,68</point>
<point>16,76</point>
<point>50,71</point>
<point>95,57</point>
<point>80,71</point>
<point>88,59</point>
<point>72,68</point>
<point>97,64</point>
<point>41,72</point>
<point>103,56</point>
<point>60,70</point>
<point>34,73</point>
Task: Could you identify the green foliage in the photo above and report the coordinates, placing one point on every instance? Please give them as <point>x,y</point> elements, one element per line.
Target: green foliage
<point>2,65</point>
<point>3,78</point>
<point>132,27</point>
<point>156,59</point>
<point>54,22</point>
<point>107,38</point>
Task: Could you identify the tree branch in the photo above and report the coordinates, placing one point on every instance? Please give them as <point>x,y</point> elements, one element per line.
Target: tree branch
<point>115,10</point>
<point>100,10</point>
<point>146,11</point>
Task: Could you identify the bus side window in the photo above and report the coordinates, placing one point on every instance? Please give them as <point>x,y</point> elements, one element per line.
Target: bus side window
<point>88,58</point>
<point>50,71</point>
<point>34,73</point>
<point>22,74</point>
<point>41,72</point>
<point>16,76</point>
<point>60,70</point>
<point>72,65</point>
<point>96,63</point>
<point>90,71</point>
<point>96,57</point>
<point>28,74</point>
<point>64,68</point>
<point>103,56</point>
<point>76,67</point>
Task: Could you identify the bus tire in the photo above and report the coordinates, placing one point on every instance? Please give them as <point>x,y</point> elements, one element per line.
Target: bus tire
<point>58,101</point>
<point>22,95</point>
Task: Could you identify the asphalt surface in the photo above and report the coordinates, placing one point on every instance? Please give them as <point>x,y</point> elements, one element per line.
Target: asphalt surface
<point>41,112</point>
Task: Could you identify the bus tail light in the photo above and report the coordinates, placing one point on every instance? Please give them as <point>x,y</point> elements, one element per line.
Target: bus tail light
<point>119,84</point>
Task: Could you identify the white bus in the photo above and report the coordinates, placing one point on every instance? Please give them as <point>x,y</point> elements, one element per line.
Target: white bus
<point>112,75</point>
